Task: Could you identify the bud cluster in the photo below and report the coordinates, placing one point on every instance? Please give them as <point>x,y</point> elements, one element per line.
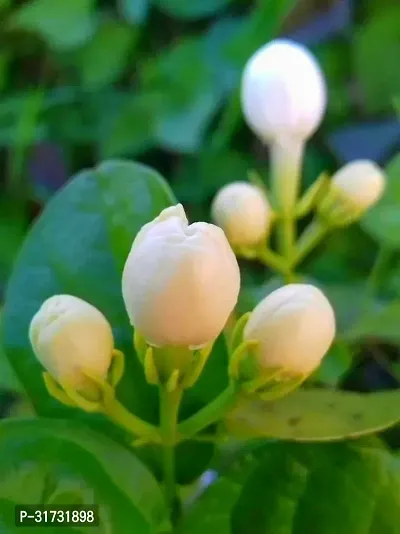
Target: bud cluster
<point>181,281</point>
<point>180,285</point>
<point>283,98</point>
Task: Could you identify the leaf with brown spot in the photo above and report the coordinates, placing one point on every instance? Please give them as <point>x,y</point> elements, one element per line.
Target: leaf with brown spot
<point>315,415</point>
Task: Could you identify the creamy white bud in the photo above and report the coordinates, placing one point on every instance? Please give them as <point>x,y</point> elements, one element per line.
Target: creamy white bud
<point>360,183</point>
<point>243,212</point>
<point>283,92</point>
<point>70,337</point>
<point>180,282</point>
<point>295,326</point>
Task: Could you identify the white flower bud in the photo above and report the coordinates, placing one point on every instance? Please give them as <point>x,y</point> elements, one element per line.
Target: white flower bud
<point>283,91</point>
<point>70,337</point>
<point>295,326</point>
<point>360,184</point>
<point>243,212</point>
<point>180,282</point>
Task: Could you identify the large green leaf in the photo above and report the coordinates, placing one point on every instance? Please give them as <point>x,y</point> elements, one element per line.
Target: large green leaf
<point>79,246</point>
<point>211,510</point>
<point>64,25</point>
<point>49,462</point>
<point>315,415</point>
<point>382,222</point>
<point>320,489</point>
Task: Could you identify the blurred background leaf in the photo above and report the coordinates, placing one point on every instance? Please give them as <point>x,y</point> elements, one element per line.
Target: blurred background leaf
<point>63,25</point>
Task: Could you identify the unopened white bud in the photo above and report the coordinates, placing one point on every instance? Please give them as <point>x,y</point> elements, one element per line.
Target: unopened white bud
<point>283,92</point>
<point>360,183</point>
<point>295,326</point>
<point>243,212</point>
<point>70,337</point>
<point>180,282</point>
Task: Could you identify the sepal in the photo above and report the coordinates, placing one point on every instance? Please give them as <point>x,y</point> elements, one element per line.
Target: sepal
<point>313,196</point>
<point>173,367</point>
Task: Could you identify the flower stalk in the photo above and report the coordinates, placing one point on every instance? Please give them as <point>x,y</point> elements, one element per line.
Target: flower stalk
<point>169,414</point>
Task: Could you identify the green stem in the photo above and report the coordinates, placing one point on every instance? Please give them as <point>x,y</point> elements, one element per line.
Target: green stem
<point>286,164</point>
<point>272,260</point>
<point>115,411</point>
<point>287,237</point>
<point>373,282</point>
<point>169,411</point>
<point>210,414</point>
<point>377,271</point>
<point>311,237</point>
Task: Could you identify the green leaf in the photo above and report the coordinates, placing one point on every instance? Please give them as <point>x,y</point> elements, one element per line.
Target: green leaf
<point>104,58</point>
<point>335,60</point>
<point>381,322</point>
<point>181,71</point>
<point>184,130</point>
<point>13,225</point>
<point>132,129</point>
<point>79,118</point>
<point>376,51</point>
<point>180,95</point>
<point>134,11</point>
<point>79,246</point>
<point>334,365</point>
<point>348,302</point>
<point>324,489</point>
<point>342,260</point>
<point>315,415</point>
<point>190,94</point>
<point>5,66</point>
<point>194,9</point>
<point>382,222</point>
<point>63,25</point>
<point>8,379</point>
<point>41,461</point>
<point>216,42</point>
<point>212,507</point>
<point>212,511</point>
<point>260,27</point>
<point>200,178</point>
